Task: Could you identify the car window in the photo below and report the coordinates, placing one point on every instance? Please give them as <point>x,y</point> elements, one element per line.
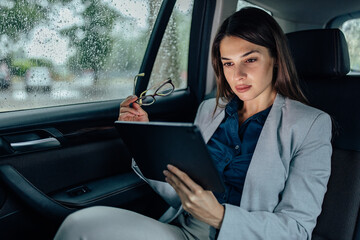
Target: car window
<point>351,30</point>
<point>242,4</point>
<point>64,52</point>
<point>172,58</point>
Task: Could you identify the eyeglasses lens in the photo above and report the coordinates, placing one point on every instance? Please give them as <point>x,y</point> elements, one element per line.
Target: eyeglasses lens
<point>165,89</point>
<point>147,100</point>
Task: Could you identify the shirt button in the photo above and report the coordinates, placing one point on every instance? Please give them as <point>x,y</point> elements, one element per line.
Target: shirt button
<point>237,147</point>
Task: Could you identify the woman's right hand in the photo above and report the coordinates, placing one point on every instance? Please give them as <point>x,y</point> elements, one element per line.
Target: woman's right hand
<point>134,113</point>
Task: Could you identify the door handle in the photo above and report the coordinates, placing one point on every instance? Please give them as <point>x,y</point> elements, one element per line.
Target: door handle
<point>36,144</point>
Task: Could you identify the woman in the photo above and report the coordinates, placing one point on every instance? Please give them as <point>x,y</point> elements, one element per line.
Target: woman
<point>271,149</point>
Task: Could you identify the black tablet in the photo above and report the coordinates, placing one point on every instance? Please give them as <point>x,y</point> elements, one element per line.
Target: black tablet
<point>153,145</point>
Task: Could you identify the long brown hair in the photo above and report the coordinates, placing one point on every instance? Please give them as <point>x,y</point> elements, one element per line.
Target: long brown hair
<point>258,27</point>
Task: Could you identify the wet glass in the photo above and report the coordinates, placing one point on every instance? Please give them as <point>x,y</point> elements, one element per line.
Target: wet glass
<point>172,57</point>
<point>351,30</point>
<point>67,52</point>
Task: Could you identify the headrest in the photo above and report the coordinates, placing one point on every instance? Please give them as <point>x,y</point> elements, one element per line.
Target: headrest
<point>320,53</point>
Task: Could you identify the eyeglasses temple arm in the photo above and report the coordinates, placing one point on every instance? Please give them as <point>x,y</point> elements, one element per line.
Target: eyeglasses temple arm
<point>135,80</point>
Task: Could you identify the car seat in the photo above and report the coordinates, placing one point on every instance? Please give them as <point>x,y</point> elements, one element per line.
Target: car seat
<point>322,61</point>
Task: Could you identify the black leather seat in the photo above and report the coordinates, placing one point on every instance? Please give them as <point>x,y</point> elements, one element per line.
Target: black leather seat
<point>322,60</point>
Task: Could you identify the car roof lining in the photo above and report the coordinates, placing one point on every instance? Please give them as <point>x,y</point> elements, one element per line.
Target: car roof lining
<point>308,11</point>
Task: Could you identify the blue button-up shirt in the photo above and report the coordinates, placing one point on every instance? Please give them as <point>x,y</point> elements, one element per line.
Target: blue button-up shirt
<point>232,148</point>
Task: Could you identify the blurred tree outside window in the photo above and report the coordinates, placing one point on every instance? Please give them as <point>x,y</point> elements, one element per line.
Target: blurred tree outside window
<point>351,30</point>
<point>91,48</point>
<point>172,58</point>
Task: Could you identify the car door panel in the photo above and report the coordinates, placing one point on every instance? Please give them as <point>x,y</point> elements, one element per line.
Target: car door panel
<point>81,161</point>
<point>89,154</point>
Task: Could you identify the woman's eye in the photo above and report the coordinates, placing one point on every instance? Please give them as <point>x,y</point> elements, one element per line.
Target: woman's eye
<point>250,60</point>
<point>228,64</point>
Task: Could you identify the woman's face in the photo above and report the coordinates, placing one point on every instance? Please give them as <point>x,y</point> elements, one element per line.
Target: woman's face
<point>248,68</point>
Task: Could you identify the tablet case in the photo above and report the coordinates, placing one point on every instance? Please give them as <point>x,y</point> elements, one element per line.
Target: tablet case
<point>153,145</point>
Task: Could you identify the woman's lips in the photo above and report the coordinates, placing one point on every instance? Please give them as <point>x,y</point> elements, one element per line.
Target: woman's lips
<point>242,88</point>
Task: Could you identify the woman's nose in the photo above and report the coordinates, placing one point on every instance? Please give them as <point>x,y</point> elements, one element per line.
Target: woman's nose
<point>239,73</point>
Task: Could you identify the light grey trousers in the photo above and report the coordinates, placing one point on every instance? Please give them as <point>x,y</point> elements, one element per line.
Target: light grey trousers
<point>114,223</point>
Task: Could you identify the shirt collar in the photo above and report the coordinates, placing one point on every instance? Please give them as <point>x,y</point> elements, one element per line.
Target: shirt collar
<point>233,106</point>
<point>260,117</point>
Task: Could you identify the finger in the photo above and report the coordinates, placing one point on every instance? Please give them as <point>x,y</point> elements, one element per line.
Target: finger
<point>129,110</point>
<point>194,187</point>
<point>138,108</point>
<point>128,100</point>
<point>140,111</point>
<point>127,117</point>
<point>176,183</point>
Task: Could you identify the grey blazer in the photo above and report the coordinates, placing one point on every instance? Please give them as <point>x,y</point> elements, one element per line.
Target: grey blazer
<point>287,177</point>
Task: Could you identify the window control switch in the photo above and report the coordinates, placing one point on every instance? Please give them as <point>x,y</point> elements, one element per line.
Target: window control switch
<point>77,191</point>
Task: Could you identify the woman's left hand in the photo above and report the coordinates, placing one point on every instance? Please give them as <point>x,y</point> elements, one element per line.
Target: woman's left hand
<point>198,202</point>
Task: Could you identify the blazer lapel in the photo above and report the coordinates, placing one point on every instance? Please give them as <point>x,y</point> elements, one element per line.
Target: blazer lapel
<point>266,171</point>
<point>211,128</point>
<point>219,115</point>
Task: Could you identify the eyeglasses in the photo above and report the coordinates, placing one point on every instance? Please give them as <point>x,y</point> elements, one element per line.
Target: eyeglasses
<point>147,98</point>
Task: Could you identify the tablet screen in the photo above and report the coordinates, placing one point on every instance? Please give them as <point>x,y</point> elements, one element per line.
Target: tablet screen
<point>153,145</point>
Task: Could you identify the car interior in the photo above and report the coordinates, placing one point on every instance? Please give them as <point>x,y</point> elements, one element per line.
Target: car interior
<point>58,159</point>
<point>323,82</point>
